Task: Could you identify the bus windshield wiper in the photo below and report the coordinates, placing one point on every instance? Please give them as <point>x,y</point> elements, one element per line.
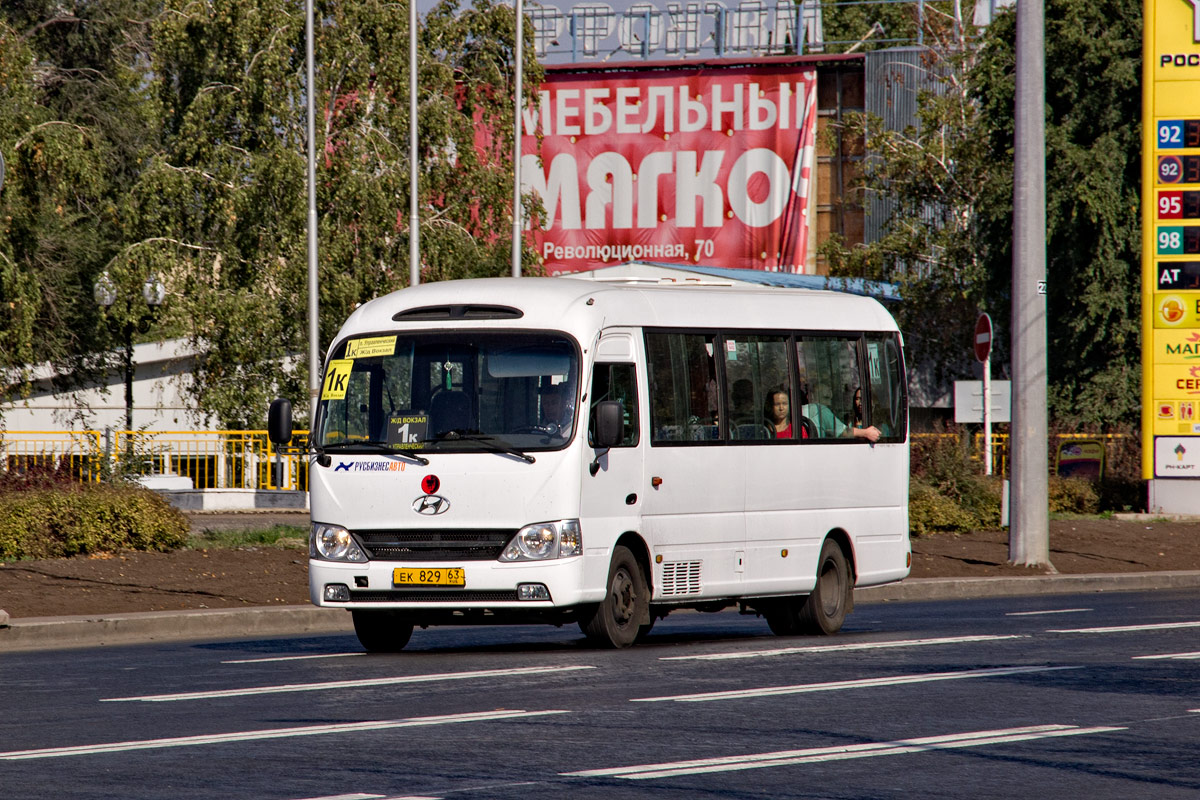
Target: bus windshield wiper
<point>375,446</point>
<point>490,441</point>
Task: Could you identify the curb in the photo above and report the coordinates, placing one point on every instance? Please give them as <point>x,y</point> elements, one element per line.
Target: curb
<point>964,588</point>
<point>56,633</point>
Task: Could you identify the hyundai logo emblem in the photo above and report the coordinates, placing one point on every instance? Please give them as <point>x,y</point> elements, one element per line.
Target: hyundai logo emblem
<point>431,504</point>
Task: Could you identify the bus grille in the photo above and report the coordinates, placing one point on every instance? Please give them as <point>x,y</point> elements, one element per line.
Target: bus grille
<point>680,577</point>
<point>434,545</point>
<point>435,596</point>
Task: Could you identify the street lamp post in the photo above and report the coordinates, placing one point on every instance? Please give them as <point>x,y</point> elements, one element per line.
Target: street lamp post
<point>154,293</point>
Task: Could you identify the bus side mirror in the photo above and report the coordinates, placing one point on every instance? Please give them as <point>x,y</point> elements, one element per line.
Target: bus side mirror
<point>610,424</point>
<point>279,421</point>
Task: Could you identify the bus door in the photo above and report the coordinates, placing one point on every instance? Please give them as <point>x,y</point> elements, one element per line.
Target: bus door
<point>613,489</point>
<point>694,491</point>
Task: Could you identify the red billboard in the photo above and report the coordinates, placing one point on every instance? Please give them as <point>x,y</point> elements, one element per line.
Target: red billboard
<point>690,165</point>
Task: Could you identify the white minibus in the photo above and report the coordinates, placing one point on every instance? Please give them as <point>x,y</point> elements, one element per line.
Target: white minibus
<point>516,450</point>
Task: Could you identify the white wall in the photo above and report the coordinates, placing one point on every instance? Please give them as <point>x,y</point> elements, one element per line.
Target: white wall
<point>159,403</point>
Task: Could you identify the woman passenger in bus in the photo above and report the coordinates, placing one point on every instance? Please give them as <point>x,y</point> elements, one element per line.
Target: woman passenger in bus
<point>778,413</point>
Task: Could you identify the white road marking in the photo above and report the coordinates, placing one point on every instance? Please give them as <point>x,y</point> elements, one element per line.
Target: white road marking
<point>840,752</point>
<point>349,797</point>
<point>1041,613</point>
<point>1163,626</point>
<point>275,733</point>
<point>864,683</point>
<point>840,648</point>
<point>1176,656</point>
<point>354,684</point>
<point>297,658</point>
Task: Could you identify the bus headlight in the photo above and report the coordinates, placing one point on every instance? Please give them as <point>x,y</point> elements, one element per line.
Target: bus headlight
<point>545,540</point>
<point>333,543</point>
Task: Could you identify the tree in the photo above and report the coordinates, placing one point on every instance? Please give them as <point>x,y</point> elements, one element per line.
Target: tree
<point>75,129</point>
<point>937,173</point>
<point>949,243</point>
<point>221,211</point>
<point>1093,188</point>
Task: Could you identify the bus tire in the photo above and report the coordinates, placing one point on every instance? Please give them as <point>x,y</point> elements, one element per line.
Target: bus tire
<point>382,631</point>
<point>617,621</point>
<point>826,607</point>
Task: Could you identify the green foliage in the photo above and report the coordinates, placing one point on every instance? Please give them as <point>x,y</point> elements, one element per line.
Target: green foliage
<point>1073,496</point>
<point>74,128</point>
<point>846,23</point>
<point>937,174</point>
<point>947,491</point>
<point>283,536</point>
<point>168,138</point>
<point>949,243</point>
<point>1093,184</point>
<point>54,523</point>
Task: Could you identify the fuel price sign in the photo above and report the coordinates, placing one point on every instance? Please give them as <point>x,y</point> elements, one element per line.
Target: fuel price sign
<point>1179,169</point>
<point>1179,204</point>
<point>1176,240</point>
<point>1174,133</point>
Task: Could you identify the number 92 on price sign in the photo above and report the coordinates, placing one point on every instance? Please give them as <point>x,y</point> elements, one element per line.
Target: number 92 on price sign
<point>1179,169</point>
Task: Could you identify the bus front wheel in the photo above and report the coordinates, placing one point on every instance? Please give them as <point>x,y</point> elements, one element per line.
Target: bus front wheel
<point>382,631</point>
<point>618,620</point>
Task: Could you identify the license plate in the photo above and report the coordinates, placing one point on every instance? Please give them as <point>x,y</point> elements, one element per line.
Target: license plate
<point>438,576</point>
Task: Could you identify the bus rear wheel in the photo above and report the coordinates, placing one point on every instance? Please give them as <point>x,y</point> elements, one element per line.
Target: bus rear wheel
<point>382,631</point>
<point>824,610</point>
<point>618,620</point>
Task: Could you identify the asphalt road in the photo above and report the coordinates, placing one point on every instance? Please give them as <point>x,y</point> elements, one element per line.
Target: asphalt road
<point>1088,695</point>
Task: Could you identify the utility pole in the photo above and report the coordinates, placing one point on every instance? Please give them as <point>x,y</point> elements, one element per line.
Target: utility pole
<point>1029,531</point>
<point>518,106</point>
<point>314,327</point>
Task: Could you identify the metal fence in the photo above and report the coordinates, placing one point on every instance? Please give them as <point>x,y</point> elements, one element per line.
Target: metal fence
<point>247,460</point>
<point>210,459</point>
<point>1113,444</point>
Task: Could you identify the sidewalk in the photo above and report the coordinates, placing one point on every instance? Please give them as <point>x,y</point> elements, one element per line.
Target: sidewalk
<point>46,633</point>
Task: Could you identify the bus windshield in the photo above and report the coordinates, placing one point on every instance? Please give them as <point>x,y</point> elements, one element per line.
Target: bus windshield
<point>450,391</point>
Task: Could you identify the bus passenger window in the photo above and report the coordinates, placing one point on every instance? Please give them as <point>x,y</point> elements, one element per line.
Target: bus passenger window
<point>829,378</point>
<point>756,371</point>
<point>616,382</point>
<point>683,387</point>
<point>888,408</point>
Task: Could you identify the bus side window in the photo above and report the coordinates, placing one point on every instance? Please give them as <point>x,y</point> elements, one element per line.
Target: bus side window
<point>683,387</point>
<point>885,374</point>
<point>616,382</point>
<point>829,377</point>
<point>756,369</point>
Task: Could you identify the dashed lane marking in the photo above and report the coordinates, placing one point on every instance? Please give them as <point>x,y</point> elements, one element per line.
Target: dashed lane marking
<point>833,686</point>
<point>1161,626</point>
<point>274,733</point>
<point>1170,656</point>
<point>269,659</point>
<point>1043,613</point>
<point>354,684</point>
<point>840,648</point>
<point>839,753</point>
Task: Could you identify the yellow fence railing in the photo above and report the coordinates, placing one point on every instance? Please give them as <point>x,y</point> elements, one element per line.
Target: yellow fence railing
<point>1000,445</point>
<point>210,459</point>
<point>247,460</point>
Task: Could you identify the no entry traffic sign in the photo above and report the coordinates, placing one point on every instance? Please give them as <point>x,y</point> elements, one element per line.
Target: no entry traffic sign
<point>983,337</point>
